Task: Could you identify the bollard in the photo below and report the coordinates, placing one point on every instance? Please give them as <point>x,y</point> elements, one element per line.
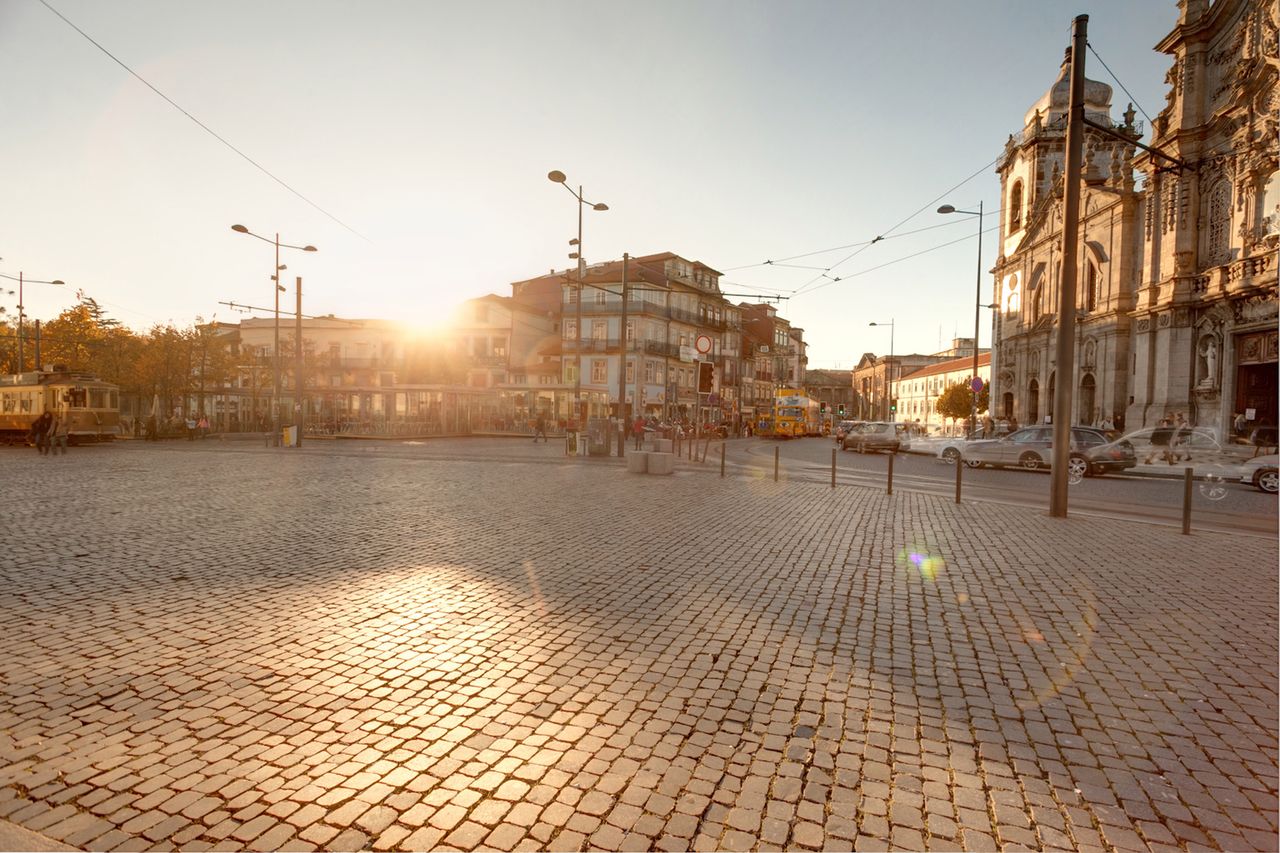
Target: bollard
<point>1186,501</point>
<point>959,473</point>
<point>775,465</point>
<point>890,474</point>
<point>833,467</point>
<point>722,460</point>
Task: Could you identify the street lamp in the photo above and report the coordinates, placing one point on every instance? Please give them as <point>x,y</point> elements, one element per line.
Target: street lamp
<point>977,305</point>
<point>275,391</point>
<point>889,367</point>
<point>21,280</point>
<point>558,177</point>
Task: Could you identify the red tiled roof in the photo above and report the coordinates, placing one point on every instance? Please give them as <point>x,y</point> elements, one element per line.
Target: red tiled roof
<point>954,366</point>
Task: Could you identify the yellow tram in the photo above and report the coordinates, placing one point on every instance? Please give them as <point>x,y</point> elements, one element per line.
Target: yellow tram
<point>91,406</point>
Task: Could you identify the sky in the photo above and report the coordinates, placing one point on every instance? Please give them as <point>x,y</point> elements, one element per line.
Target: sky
<point>410,143</point>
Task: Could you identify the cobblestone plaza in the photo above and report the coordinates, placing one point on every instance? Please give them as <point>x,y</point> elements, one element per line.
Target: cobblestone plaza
<point>229,647</point>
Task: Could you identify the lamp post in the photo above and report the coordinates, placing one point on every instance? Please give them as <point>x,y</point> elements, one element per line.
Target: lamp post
<point>558,177</point>
<point>977,306</point>
<point>888,367</point>
<point>21,316</point>
<point>275,391</point>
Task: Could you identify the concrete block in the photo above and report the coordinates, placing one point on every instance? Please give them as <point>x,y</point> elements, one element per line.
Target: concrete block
<point>637,462</point>
<point>662,463</point>
<point>660,445</point>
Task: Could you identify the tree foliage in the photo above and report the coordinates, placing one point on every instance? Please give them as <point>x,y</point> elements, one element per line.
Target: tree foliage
<point>957,401</point>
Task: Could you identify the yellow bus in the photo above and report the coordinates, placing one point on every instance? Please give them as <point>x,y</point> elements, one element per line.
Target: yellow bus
<point>795,415</point>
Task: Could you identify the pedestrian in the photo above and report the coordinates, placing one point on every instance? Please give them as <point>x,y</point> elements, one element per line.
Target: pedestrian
<point>540,429</point>
<point>40,432</point>
<point>191,428</point>
<point>1107,423</point>
<point>637,431</point>
<point>203,426</point>
<point>1180,443</point>
<point>59,432</point>
<point>152,428</point>
<point>1160,438</point>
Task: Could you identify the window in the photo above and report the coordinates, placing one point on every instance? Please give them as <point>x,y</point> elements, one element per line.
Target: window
<point>571,295</point>
<point>651,372</point>
<point>1219,221</point>
<point>599,370</point>
<point>599,330</point>
<point>1015,207</point>
<point>1091,287</point>
<point>631,372</point>
<point>570,373</point>
<point>570,329</point>
<point>631,330</point>
<point>600,296</point>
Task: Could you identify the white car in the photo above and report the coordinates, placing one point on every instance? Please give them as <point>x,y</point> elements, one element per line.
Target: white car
<point>1261,471</point>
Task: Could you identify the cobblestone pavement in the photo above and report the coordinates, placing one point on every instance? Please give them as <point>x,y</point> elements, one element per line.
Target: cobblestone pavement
<point>238,648</point>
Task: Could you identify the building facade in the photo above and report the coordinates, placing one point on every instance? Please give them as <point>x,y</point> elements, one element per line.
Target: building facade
<point>1176,288</point>
<point>917,392</point>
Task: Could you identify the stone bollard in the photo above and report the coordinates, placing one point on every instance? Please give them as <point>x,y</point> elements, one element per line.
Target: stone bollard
<point>637,462</point>
<point>661,463</point>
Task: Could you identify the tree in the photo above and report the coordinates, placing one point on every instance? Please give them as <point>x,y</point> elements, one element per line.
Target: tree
<point>957,401</point>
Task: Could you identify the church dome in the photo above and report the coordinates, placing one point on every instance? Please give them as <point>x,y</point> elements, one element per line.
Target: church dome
<point>1052,106</point>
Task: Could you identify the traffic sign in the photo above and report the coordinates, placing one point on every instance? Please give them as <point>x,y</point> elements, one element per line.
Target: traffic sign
<point>977,384</point>
<point>703,344</point>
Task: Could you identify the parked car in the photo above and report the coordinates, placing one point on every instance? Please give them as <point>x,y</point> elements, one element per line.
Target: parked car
<point>843,428</point>
<point>951,450</point>
<point>1032,448</point>
<point>877,435</point>
<point>1261,471</point>
<point>1198,446</point>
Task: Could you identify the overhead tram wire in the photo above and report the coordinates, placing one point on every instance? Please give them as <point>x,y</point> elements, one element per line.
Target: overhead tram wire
<point>1132,99</point>
<point>202,125</point>
<point>809,285</point>
<point>995,227</point>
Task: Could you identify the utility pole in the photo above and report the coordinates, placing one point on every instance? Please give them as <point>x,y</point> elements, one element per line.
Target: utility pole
<point>622,362</point>
<point>298,380</point>
<point>1065,370</point>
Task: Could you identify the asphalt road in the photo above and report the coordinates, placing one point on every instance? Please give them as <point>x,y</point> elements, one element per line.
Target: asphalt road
<point>1240,507</point>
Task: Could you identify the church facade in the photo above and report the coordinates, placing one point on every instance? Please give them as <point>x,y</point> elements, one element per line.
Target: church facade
<point>1176,295</point>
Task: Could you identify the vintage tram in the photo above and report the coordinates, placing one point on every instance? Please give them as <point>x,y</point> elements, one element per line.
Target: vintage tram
<point>91,406</point>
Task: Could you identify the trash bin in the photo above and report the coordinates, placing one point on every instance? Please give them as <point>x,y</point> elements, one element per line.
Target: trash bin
<point>570,444</point>
<point>289,436</point>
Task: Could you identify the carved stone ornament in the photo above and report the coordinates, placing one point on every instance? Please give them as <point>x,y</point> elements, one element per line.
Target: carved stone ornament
<point>1181,317</point>
<point>1144,325</point>
<point>1256,309</point>
<point>1164,321</point>
<point>1184,263</point>
<point>1090,355</point>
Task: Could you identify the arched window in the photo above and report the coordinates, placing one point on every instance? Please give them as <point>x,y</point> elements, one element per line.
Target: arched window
<point>1015,207</point>
<point>1219,222</point>
<point>1090,287</point>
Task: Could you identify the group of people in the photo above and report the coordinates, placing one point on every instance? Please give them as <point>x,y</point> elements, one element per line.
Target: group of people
<point>49,433</point>
<point>1170,441</point>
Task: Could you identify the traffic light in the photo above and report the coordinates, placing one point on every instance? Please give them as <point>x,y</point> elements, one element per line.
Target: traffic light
<point>842,410</point>
<point>822,407</point>
<point>893,407</point>
<point>706,377</point>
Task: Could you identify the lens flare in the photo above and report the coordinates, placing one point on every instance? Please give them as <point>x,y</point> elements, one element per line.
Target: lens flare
<point>920,559</point>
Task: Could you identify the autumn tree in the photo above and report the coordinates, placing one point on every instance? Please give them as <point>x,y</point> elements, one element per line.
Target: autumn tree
<point>957,401</point>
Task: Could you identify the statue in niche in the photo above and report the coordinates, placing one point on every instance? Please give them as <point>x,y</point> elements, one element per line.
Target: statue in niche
<point>1090,353</point>
<point>1208,352</point>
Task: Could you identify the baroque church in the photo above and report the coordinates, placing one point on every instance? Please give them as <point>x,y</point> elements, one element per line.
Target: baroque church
<point>1176,295</point>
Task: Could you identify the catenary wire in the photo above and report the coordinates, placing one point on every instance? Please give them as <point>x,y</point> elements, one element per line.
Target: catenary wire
<point>1150,123</point>
<point>202,125</point>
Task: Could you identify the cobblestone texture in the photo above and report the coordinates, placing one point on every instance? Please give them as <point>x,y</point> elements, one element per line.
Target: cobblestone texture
<point>236,648</point>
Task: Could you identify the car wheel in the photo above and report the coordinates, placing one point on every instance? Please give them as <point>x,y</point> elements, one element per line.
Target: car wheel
<point>951,456</point>
<point>1078,466</point>
<point>1030,461</point>
<point>1267,480</point>
<point>972,463</point>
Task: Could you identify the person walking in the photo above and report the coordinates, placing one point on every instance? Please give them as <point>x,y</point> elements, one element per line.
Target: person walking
<point>59,431</point>
<point>540,429</point>
<point>40,432</point>
<point>1160,438</point>
<point>637,431</point>
<point>1180,443</point>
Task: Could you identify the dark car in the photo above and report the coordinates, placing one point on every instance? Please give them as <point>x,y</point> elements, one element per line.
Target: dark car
<point>1032,448</point>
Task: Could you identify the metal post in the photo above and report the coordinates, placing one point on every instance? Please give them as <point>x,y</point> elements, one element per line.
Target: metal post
<point>22,361</point>
<point>977,305</point>
<point>890,491</point>
<point>275,354</point>
<point>833,467</point>
<point>1065,372</point>
<point>577,330</point>
<point>1187,476</point>
<point>775,464</point>
<point>622,357</point>
<point>36,363</point>
<point>722,460</point>
<point>298,378</point>
<point>959,476</point>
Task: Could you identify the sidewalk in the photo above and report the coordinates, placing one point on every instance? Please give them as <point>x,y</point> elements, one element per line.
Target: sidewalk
<point>421,653</point>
